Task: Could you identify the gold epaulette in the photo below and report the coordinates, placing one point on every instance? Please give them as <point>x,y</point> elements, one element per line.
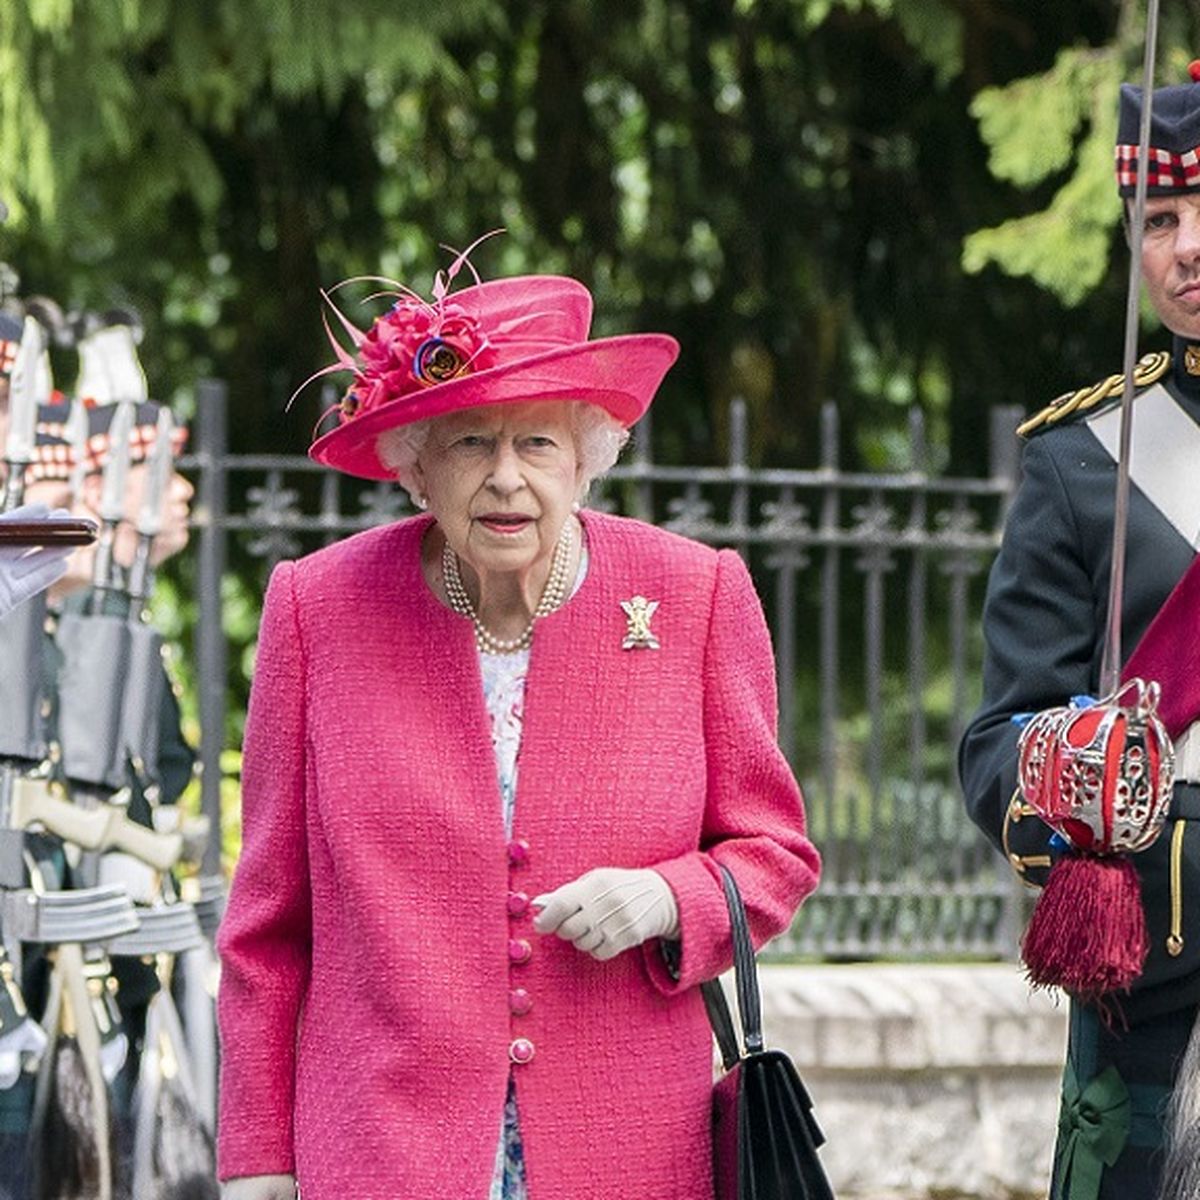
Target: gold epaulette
<point>1150,369</point>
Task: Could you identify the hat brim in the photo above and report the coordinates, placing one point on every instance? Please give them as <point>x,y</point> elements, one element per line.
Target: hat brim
<point>620,374</point>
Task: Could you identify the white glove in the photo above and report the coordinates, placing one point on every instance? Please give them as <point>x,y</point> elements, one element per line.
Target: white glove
<point>25,571</point>
<point>609,910</point>
<point>260,1187</point>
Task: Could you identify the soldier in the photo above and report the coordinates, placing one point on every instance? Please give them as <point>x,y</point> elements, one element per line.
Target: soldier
<point>66,473</point>
<point>22,574</point>
<point>151,784</point>
<point>1044,624</point>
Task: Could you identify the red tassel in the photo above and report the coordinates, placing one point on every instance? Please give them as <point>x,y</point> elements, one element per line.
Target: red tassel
<point>1088,932</point>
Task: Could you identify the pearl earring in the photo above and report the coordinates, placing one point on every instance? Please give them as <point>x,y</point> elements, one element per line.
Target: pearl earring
<point>421,502</point>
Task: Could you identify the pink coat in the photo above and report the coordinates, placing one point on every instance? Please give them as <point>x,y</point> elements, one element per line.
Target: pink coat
<point>375,957</point>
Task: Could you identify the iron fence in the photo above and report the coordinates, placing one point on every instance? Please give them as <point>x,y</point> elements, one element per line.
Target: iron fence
<point>872,585</point>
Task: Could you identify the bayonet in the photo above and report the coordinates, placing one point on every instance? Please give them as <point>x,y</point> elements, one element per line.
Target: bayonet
<point>150,515</point>
<point>126,377</point>
<point>112,499</point>
<point>22,411</point>
<point>77,438</point>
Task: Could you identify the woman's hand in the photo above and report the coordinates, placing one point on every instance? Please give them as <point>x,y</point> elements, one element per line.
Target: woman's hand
<point>260,1187</point>
<point>609,910</point>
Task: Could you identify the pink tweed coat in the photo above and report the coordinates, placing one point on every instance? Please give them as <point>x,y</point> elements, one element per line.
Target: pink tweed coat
<point>378,960</point>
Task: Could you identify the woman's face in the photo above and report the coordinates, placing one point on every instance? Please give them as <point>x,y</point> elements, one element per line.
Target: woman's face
<point>500,482</point>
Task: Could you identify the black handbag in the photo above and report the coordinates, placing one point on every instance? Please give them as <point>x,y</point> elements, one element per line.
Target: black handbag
<point>765,1136</point>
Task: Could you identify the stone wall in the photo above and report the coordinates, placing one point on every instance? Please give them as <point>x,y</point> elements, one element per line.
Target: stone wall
<point>931,1082</point>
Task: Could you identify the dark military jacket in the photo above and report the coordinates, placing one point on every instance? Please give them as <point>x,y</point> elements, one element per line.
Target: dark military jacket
<point>1044,626</point>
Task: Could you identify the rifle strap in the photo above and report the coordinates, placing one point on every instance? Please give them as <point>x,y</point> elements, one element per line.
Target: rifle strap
<point>69,962</point>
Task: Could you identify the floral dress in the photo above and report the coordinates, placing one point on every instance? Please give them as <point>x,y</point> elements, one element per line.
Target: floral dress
<point>504,696</point>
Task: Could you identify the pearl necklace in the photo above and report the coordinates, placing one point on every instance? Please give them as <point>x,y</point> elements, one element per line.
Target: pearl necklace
<point>553,595</point>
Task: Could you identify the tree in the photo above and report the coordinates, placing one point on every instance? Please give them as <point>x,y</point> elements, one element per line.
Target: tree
<point>208,163</point>
<point>790,186</point>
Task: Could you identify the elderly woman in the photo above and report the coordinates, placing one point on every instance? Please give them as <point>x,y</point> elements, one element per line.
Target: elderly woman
<point>493,757</point>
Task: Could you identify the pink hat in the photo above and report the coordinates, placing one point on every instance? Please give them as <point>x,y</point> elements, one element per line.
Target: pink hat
<point>500,342</point>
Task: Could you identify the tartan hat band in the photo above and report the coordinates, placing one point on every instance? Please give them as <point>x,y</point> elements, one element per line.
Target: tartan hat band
<point>10,343</point>
<point>54,457</point>
<point>1174,138</point>
<point>1166,171</point>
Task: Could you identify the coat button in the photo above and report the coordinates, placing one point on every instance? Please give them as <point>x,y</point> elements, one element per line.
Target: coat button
<point>521,1051</point>
<point>519,950</point>
<point>518,903</point>
<point>520,1002</point>
<point>518,852</point>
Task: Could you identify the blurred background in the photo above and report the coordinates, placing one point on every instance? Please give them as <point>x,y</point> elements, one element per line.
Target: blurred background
<point>872,224</point>
<point>878,202</point>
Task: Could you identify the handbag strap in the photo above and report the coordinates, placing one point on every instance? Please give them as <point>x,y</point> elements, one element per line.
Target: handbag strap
<point>746,976</point>
<point>721,1022</point>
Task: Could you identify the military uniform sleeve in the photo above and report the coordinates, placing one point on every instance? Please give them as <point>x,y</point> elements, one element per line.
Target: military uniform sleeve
<point>1041,625</point>
<point>265,938</point>
<point>176,759</point>
<point>754,814</point>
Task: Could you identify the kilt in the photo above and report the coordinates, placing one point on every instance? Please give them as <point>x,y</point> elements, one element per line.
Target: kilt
<point>16,1167</point>
<point>1117,1084</point>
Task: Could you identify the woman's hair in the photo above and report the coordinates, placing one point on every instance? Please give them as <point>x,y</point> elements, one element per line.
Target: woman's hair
<point>599,439</point>
<point>398,450</point>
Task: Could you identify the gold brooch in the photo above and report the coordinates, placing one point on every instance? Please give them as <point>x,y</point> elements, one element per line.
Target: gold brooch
<point>1191,360</point>
<point>638,634</point>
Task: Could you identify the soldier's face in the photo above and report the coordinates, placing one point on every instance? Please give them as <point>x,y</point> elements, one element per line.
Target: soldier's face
<point>1171,260</point>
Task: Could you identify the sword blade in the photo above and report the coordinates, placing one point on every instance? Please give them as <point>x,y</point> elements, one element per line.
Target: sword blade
<point>23,395</point>
<point>1110,669</point>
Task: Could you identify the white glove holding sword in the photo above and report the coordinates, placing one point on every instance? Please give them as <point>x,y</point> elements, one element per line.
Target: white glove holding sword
<point>27,570</point>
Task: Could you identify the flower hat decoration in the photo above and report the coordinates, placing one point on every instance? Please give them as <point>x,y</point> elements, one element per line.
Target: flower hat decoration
<point>513,340</point>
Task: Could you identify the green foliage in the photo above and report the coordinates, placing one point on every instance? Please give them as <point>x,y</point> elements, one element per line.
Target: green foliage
<point>84,84</point>
<point>935,30</point>
<point>782,183</point>
<point>231,807</point>
<point>1036,128</point>
<point>1031,125</point>
<point>1058,128</point>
